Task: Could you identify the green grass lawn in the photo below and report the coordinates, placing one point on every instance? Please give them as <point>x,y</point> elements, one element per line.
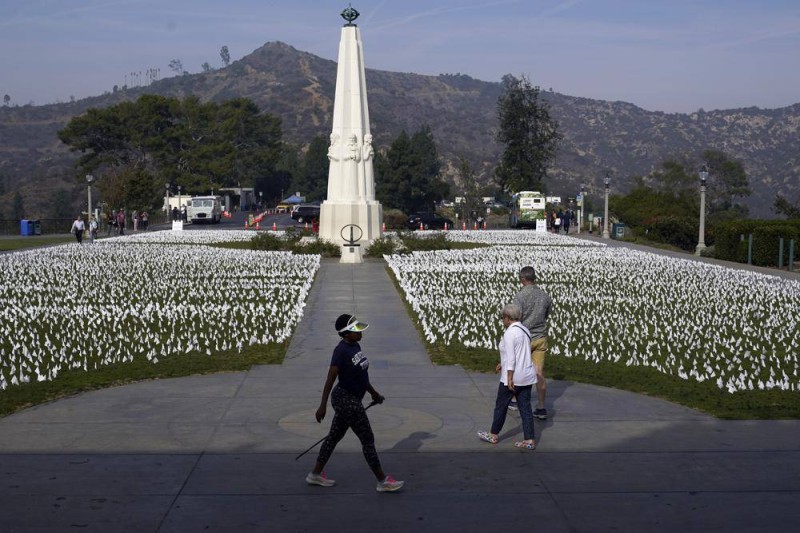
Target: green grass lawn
<point>34,241</point>
<point>706,396</point>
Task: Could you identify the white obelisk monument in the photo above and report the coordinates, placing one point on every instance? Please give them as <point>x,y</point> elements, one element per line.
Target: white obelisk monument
<point>350,211</point>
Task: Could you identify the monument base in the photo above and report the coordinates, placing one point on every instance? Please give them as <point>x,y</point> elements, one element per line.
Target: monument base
<point>334,216</point>
<point>352,254</point>
<point>177,225</point>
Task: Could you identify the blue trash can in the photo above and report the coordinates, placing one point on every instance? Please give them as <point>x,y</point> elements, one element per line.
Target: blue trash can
<point>26,227</point>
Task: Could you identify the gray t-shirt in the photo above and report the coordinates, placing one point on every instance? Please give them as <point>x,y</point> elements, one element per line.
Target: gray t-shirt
<point>535,305</point>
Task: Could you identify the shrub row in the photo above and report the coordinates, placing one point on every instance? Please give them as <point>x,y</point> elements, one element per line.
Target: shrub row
<point>732,237</point>
<point>292,243</point>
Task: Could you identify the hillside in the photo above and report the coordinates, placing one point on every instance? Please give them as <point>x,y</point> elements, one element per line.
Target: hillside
<point>299,87</point>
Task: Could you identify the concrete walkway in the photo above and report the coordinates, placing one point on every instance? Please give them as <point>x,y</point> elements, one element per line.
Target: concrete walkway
<point>218,452</point>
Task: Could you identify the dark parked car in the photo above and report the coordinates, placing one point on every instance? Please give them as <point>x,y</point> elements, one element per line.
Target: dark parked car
<point>305,213</point>
<point>428,221</point>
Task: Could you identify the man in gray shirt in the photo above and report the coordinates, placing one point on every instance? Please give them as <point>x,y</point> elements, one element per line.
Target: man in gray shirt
<point>536,305</point>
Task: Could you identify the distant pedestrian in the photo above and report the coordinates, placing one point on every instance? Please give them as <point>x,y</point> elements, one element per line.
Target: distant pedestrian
<point>121,222</point>
<point>183,213</point>
<point>175,213</point>
<point>78,228</point>
<point>135,220</point>
<point>350,366</point>
<point>112,222</point>
<point>92,229</point>
<point>567,220</point>
<point>145,220</point>
<point>517,377</point>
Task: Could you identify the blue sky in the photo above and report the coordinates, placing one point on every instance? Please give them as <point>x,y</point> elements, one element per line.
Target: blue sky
<point>665,55</point>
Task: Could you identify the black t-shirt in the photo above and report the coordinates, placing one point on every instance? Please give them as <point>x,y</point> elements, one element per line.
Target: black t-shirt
<point>353,366</point>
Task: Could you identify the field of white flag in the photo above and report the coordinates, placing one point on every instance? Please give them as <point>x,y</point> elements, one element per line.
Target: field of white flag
<point>702,322</point>
<point>151,296</point>
<point>164,294</point>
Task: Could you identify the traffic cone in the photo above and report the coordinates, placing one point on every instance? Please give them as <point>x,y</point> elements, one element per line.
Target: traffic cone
<point>258,225</point>
<point>484,224</point>
<point>383,227</point>
<point>474,225</point>
<point>464,226</point>
<point>445,226</point>
<point>421,227</point>
<point>245,224</point>
<point>306,225</point>
<point>274,226</point>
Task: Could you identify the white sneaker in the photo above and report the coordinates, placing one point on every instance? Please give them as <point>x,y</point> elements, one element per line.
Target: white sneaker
<point>389,484</point>
<point>319,479</point>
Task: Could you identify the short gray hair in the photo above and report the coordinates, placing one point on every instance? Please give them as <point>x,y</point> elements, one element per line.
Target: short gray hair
<point>512,311</point>
<point>528,273</point>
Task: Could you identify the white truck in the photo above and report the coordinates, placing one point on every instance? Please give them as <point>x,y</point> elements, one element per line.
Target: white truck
<point>205,209</point>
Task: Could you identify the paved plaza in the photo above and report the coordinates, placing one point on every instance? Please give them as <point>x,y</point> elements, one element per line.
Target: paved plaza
<point>217,452</point>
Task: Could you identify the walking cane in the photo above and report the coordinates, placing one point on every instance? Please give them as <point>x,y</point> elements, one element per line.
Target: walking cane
<point>325,437</point>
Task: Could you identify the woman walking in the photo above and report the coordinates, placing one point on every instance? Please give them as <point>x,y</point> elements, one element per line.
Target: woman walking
<point>517,377</point>
<point>350,366</point>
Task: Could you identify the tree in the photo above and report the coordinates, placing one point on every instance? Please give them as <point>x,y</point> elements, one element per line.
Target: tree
<point>726,184</point>
<point>312,179</point>
<point>18,207</point>
<point>138,146</point>
<point>408,175</point>
<point>225,55</point>
<point>783,206</point>
<point>206,67</point>
<point>674,179</point>
<point>471,190</point>
<point>176,65</point>
<point>6,100</point>
<point>61,205</point>
<point>529,135</point>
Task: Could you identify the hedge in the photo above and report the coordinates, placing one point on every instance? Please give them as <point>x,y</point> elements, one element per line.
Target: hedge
<point>732,237</point>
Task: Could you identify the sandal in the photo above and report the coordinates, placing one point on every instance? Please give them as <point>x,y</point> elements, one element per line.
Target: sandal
<point>487,437</point>
<point>525,445</point>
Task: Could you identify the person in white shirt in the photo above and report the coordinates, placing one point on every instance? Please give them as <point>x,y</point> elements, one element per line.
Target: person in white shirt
<point>517,378</point>
<point>92,229</point>
<point>78,228</point>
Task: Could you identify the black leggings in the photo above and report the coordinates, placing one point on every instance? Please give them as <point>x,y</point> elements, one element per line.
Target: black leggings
<point>349,413</point>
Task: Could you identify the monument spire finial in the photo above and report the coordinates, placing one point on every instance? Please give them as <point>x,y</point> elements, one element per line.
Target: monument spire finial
<point>350,14</point>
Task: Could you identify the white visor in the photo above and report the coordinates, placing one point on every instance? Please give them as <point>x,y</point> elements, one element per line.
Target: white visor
<point>354,325</point>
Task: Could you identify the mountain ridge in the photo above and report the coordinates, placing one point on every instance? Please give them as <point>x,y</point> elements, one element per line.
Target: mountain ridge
<point>599,136</point>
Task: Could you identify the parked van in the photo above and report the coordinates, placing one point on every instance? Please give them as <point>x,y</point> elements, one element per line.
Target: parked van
<point>205,209</point>
<point>306,212</point>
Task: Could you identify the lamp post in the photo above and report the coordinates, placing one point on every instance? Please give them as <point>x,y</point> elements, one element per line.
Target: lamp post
<point>701,239</point>
<point>166,205</point>
<point>180,207</point>
<point>605,215</point>
<point>583,202</point>
<point>89,180</point>
<point>261,200</point>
